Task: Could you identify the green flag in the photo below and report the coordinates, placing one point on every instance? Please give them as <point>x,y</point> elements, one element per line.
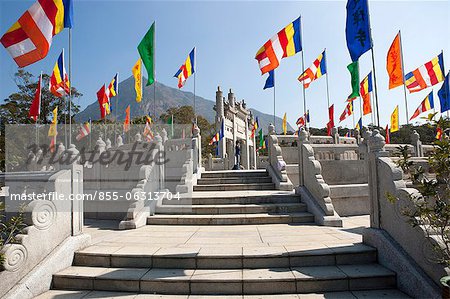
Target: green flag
<point>170,122</point>
<point>146,49</point>
<point>353,68</point>
<point>261,139</point>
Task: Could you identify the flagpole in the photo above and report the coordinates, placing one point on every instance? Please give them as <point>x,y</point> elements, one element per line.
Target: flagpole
<point>303,70</point>
<point>117,103</point>
<point>328,89</point>
<point>373,67</point>
<point>274,117</point>
<point>195,76</point>
<point>403,74</point>
<point>446,85</point>
<point>154,68</point>
<point>70,87</point>
<point>90,134</point>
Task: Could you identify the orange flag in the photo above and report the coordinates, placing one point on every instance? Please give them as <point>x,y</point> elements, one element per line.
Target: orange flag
<point>367,107</point>
<point>394,63</point>
<point>126,123</point>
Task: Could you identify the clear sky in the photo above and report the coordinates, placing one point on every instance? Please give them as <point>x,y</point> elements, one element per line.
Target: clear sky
<point>227,36</point>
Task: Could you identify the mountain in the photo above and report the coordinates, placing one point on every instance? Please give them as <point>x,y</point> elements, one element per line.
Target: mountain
<point>166,97</point>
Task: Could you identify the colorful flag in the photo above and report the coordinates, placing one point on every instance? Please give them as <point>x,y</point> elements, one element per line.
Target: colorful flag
<point>137,80</point>
<point>148,134</point>
<point>317,70</point>
<point>85,130</point>
<point>214,139</point>
<point>270,82</point>
<point>187,69</point>
<point>359,124</point>
<point>261,140</point>
<point>347,112</point>
<point>444,94</point>
<point>388,135</point>
<point>127,122</point>
<point>59,84</point>
<point>427,104</point>
<point>254,128</point>
<point>330,124</point>
<point>284,124</point>
<point>439,133</point>
<point>353,68</point>
<point>394,120</point>
<point>357,30</point>
<point>149,119</point>
<point>301,121</point>
<point>113,87</point>
<point>30,38</point>
<point>394,63</point>
<point>427,75</point>
<point>347,134</point>
<point>365,88</point>
<point>285,43</point>
<point>103,101</point>
<point>52,131</point>
<point>146,50</point>
<point>35,108</point>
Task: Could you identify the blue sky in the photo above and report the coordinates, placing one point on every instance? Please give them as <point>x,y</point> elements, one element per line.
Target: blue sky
<point>227,36</point>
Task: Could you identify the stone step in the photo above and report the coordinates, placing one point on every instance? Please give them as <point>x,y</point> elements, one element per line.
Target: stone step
<point>383,293</point>
<point>232,208</point>
<point>227,282</point>
<point>243,180</point>
<point>225,258</point>
<point>226,198</point>
<point>231,219</point>
<point>234,173</point>
<point>234,187</point>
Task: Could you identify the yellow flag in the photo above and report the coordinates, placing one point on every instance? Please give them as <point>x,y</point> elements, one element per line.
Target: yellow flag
<point>137,80</point>
<point>284,124</point>
<point>52,130</point>
<point>394,120</point>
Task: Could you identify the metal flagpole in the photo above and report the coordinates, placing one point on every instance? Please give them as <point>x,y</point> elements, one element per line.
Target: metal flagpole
<point>274,117</point>
<point>195,75</point>
<point>403,79</point>
<point>90,134</point>
<point>303,70</point>
<point>446,85</point>
<point>70,87</point>
<point>328,89</point>
<point>117,103</point>
<point>154,69</point>
<point>373,68</point>
<point>360,101</point>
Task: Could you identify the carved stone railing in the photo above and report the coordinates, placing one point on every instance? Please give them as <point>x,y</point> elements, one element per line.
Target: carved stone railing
<point>217,163</point>
<point>49,221</point>
<point>335,151</point>
<point>401,247</point>
<point>312,187</point>
<point>277,166</point>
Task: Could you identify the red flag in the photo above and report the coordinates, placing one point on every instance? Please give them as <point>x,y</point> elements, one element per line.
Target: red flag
<point>35,109</point>
<point>347,112</point>
<point>126,123</point>
<point>330,124</point>
<point>394,63</point>
<point>439,134</point>
<point>388,136</point>
<point>102,101</point>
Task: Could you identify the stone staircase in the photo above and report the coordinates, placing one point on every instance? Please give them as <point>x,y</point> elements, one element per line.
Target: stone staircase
<point>241,261</point>
<point>234,198</point>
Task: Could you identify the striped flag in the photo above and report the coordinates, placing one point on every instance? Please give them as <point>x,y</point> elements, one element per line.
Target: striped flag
<point>317,70</point>
<point>148,134</point>
<point>427,75</point>
<point>301,121</point>
<point>347,112</point>
<point>59,84</point>
<point>215,138</point>
<point>30,38</point>
<point>427,104</point>
<point>113,87</point>
<point>187,69</point>
<point>359,124</point>
<point>85,130</point>
<point>285,43</point>
<point>365,88</point>
<point>35,108</point>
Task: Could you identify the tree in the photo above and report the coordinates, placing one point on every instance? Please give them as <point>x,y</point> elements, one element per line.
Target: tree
<point>15,108</point>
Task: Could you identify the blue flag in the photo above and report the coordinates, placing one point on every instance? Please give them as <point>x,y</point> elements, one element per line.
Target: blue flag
<point>357,29</point>
<point>270,82</point>
<point>222,130</point>
<point>444,95</point>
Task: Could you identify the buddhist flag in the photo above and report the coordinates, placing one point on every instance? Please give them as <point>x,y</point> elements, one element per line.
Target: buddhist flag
<point>365,88</point>
<point>85,130</point>
<point>427,104</point>
<point>187,69</point>
<point>214,139</point>
<point>427,75</point>
<point>388,135</point>
<point>284,123</point>
<point>357,30</point>
<point>444,94</point>
<point>394,63</point>
<point>113,86</point>
<point>30,38</point>
<point>394,120</point>
<point>270,82</point>
<point>347,112</point>
<point>359,124</point>
<point>285,43</point>
<point>317,70</point>
<point>146,50</point>
<point>52,131</point>
<point>103,102</point>
<point>35,109</point>
<point>126,123</point>
<point>137,80</point>
<point>353,68</point>
<point>59,84</point>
